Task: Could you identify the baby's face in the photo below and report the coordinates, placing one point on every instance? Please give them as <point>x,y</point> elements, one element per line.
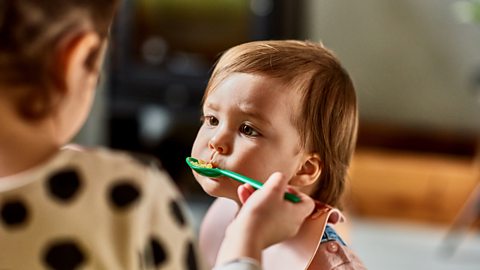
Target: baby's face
<point>248,128</point>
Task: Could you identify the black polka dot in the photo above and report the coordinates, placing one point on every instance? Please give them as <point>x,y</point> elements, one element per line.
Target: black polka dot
<point>155,253</point>
<point>64,255</point>
<point>191,257</point>
<point>64,185</point>
<point>14,213</point>
<point>124,194</point>
<point>177,212</point>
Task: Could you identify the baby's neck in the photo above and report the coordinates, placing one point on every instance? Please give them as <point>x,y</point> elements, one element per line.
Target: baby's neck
<point>23,145</point>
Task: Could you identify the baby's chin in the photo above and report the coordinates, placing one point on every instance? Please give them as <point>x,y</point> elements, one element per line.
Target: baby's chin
<point>217,190</point>
<point>221,193</point>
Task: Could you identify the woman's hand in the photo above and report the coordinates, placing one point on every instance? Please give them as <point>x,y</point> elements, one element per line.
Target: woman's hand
<point>265,218</point>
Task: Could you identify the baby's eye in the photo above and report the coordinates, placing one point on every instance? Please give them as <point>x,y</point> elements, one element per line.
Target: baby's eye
<point>210,120</point>
<point>249,131</point>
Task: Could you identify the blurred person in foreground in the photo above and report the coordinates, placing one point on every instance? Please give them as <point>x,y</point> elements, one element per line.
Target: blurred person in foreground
<point>65,207</point>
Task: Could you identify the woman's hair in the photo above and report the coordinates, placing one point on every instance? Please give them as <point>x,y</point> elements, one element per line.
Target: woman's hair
<point>30,33</point>
<point>328,117</point>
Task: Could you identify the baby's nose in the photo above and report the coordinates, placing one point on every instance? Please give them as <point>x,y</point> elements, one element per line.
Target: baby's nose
<point>220,144</point>
<point>221,149</point>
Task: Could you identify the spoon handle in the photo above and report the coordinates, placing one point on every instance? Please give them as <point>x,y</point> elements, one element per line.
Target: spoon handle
<point>255,184</point>
<point>242,178</point>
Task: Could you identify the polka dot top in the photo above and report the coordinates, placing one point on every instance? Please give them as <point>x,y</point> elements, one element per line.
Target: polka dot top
<point>94,209</point>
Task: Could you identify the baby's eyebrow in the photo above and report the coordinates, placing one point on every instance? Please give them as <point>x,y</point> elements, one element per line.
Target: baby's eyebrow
<point>210,105</point>
<point>247,110</point>
<point>256,115</point>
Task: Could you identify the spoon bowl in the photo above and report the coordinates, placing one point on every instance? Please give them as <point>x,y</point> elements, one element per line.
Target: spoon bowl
<point>216,172</point>
<point>209,172</point>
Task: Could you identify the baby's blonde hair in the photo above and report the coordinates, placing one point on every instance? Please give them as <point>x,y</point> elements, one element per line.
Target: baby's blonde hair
<point>328,117</point>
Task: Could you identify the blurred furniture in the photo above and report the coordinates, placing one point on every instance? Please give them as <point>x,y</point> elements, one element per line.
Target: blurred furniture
<point>411,174</point>
<point>410,185</point>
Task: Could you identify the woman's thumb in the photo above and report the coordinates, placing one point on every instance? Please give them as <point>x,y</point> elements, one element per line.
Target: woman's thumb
<point>276,183</point>
<point>244,192</point>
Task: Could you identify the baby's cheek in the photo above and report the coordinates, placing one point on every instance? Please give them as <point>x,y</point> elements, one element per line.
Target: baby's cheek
<point>196,149</point>
<point>261,174</point>
<point>266,172</point>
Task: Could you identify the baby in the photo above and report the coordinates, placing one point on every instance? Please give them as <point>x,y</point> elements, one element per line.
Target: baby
<point>286,106</point>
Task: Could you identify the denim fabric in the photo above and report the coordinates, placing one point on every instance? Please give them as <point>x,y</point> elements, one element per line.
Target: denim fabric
<point>331,235</point>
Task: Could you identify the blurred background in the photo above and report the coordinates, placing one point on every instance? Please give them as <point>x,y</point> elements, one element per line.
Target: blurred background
<point>412,200</point>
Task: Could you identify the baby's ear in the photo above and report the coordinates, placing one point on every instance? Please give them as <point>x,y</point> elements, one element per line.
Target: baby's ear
<point>309,172</point>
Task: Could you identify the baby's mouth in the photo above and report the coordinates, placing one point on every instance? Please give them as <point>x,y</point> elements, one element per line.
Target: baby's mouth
<point>212,159</point>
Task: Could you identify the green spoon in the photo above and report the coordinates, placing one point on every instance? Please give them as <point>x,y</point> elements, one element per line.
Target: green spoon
<point>216,172</point>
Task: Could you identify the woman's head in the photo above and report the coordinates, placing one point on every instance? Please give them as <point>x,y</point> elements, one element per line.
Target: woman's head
<point>32,33</point>
<point>326,114</point>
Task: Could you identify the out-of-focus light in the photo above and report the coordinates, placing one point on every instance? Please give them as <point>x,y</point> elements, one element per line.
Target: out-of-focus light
<point>154,123</point>
<point>261,7</point>
<point>467,11</point>
<point>154,50</point>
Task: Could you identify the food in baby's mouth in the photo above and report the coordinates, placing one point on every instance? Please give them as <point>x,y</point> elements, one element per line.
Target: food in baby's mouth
<point>203,164</point>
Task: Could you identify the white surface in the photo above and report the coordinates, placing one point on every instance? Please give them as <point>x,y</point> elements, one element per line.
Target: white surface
<point>389,245</point>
